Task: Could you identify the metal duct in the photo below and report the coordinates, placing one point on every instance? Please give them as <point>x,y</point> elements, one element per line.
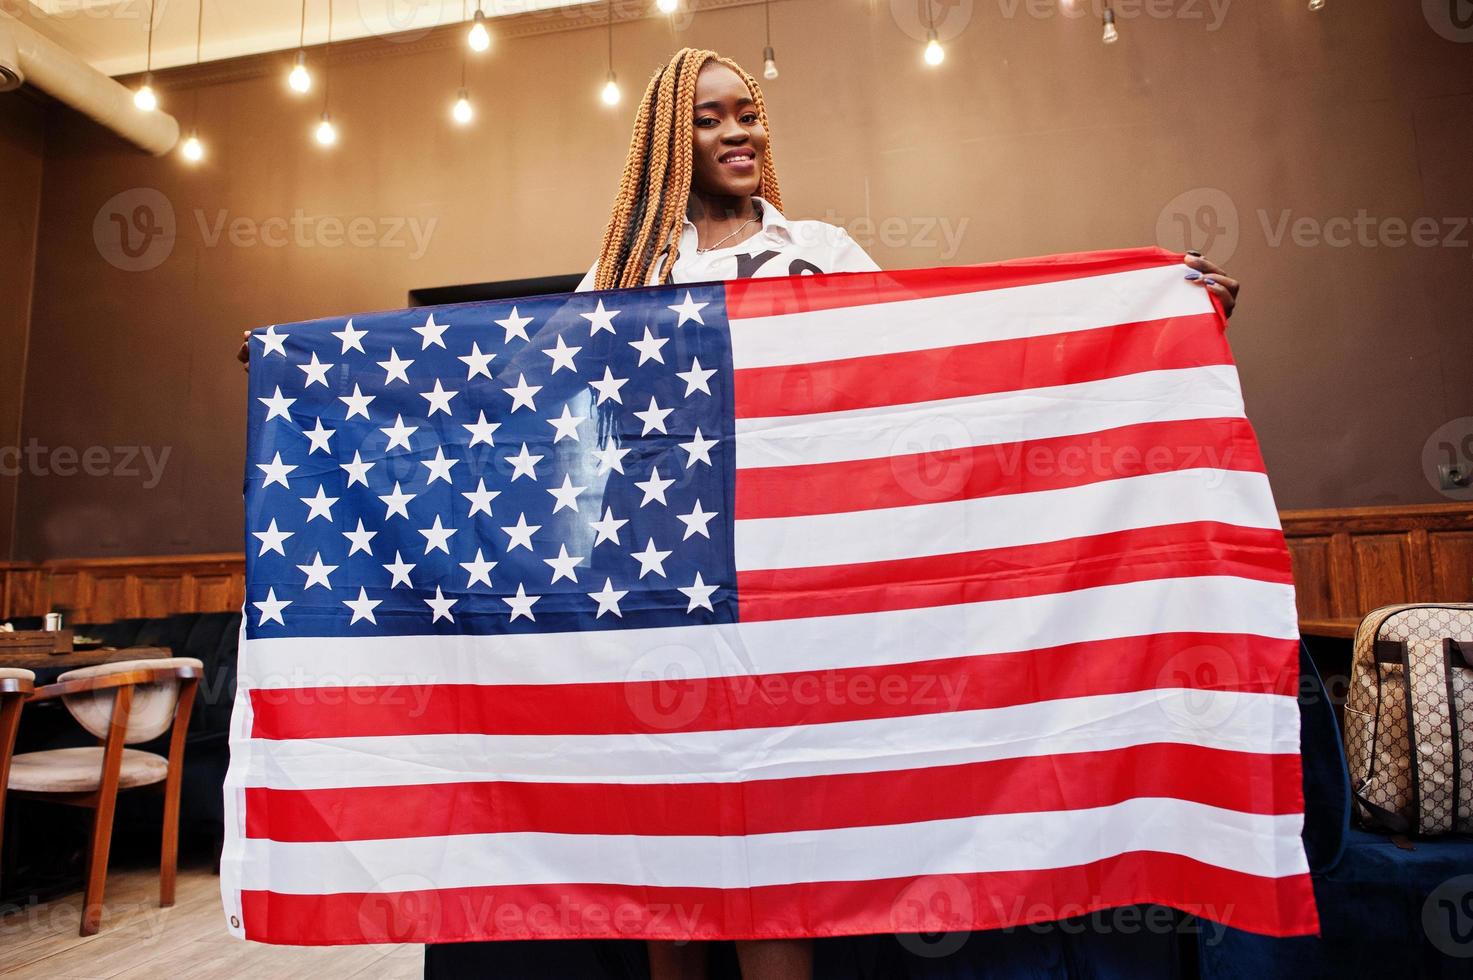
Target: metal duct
<point>26,56</point>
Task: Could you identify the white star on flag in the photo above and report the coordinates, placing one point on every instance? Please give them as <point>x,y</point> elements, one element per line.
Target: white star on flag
<point>563,564</point>
<point>441,606</point>
<point>699,594</point>
<point>649,347</point>
<point>608,387</point>
<point>696,378</point>
<point>476,362</point>
<point>316,372</point>
<point>357,470</point>
<point>276,471</point>
<point>515,326</point>
<point>479,570</point>
<point>654,488</point>
<point>437,538</point>
<point>521,533</point>
<point>432,332</point>
<point>400,570</point>
<point>610,458</point>
<point>524,464</point>
<point>395,368</point>
<point>608,599</point>
<point>319,506</point>
<point>521,604</point>
<point>607,528</point>
<point>481,430</point>
<point>439,467</point>
<point>439,399</point>
<point>318,436</point>
<point>351,338</point>
<point>277,406</point>
<point>566,425</point>
<point>317,573</point>
<point>653,417</point>
<point>699,449</point>
<point>651,559</point>
<point>271,608</point>
<point>481,498</point>
<point>272,341</point>
<point>566,495</point>
<point>399,433</point>
<point>272,539</point>
<point>600,319</point>
<point>521,394</point>
<point>397,502</point>
<point>362,607</point>
<point>696,521</point>
<point>562,356</point>
<point>359,539</point>
<point>357,403</point>
<point>688,310</point>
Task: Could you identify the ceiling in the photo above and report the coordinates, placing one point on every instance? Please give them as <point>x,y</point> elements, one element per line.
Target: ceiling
<point>112,35</point>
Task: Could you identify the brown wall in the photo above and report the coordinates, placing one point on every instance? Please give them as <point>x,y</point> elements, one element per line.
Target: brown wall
<point>1032,138</point>
<point>22,149</point>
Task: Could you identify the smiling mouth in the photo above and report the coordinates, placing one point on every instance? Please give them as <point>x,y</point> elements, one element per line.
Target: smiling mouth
<point>737,156</point>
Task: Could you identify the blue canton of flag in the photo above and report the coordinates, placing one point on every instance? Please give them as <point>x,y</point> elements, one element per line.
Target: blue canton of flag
<point>545,465</point>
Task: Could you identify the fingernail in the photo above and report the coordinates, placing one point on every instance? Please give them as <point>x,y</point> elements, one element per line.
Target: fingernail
<point>1194,252</point>
<point>1209,281</point>
<point>1194,275</point>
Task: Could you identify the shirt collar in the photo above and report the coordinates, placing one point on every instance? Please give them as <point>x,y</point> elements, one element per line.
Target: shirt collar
<point>773,221</point>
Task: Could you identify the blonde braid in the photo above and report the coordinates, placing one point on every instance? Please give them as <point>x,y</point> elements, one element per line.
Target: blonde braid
<point>649,211</point>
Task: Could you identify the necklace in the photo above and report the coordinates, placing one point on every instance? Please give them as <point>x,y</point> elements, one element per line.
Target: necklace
<point>717,244</point>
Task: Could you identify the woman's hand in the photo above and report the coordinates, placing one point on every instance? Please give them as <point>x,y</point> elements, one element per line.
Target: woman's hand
<point>244,354</point>
<point>1210,276</point>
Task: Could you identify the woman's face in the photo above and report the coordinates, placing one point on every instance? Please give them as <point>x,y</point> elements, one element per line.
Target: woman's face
<point>729,140</point>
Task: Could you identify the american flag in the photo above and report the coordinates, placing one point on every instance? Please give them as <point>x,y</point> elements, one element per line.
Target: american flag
<point>916,601</point>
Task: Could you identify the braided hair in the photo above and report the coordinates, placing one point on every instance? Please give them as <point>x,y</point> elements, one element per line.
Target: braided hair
<point>649,211</point>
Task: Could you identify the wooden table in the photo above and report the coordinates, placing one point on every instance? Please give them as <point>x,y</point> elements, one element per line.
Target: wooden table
<point>81,658</point>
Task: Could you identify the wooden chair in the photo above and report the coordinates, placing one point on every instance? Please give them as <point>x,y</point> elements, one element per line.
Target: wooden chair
<point>120,703</point>
<point>16,684</point>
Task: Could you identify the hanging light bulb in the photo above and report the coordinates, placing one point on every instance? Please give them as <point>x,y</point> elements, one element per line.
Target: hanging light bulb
<point>327,133</point>
<point>192,149</point>
<point>667,6</point>
<point>769,63</point>
<point>610,93</point>
<point>479,38</point>
<point>935,53</point>
<point>463,112</point>
<point>300,79</point>
<point>1111,35</point>
<point>1316,4</point>
<point>144,97</point>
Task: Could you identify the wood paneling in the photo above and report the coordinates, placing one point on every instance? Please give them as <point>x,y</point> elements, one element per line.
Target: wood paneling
<point>1349,561</point>
<point>100,590</point>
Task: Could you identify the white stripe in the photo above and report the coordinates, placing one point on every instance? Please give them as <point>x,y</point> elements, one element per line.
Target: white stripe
<point>888,534</point>
<point>1206,604</point>
<point>995,419</point>
<point>966,318</point>
<point>1258,844</point>
<point>1229,720</point>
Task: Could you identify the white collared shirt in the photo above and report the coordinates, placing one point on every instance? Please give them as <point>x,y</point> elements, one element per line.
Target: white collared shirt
<point>780,248</point>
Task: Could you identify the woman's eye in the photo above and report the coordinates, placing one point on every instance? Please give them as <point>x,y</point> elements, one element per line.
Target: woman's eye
<point>749,118</point>
<point>706,122</point>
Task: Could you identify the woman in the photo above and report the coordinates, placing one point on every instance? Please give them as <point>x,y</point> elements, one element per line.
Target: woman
<point>698,202</point>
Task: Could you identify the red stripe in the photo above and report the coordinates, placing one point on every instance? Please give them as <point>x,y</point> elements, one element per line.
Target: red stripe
<point>981,368</point>
<point>1246,782</point>
<point>970,472</point>
<point>1143,554</point>
<point>1231,662</point>
<point>747,298</point>
<point>937,903</point>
